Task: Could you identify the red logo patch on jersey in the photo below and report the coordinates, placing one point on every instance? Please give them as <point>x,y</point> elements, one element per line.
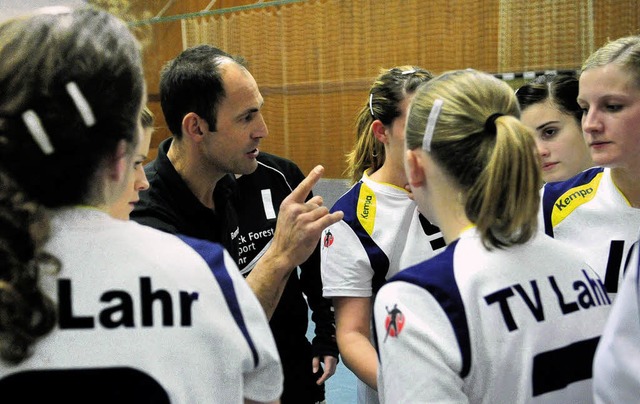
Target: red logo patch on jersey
<point>394,322</point>
<point>328,239</point>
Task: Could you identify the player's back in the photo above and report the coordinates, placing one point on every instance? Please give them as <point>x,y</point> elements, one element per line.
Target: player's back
<point>523,322</point>
<point>142,315</point>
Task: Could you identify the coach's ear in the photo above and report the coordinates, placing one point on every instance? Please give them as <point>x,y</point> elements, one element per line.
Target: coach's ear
<point>194,127</point>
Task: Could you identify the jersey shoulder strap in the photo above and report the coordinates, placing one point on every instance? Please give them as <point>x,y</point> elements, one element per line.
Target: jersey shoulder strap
<point>560,199</point>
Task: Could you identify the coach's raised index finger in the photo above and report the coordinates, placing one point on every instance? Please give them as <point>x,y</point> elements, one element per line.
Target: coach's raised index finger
<point>300,193</point>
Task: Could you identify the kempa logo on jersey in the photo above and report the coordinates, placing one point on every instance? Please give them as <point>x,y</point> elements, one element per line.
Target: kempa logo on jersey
<point>367,208</point>
<point>573,198</point>
<point>367,203</point>
<point>583,193</point>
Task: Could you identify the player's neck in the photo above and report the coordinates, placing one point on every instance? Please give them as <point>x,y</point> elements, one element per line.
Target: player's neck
<point>389,175</point>
<point>452,221</point>
<point>447,207</point>
<point>628,184</point>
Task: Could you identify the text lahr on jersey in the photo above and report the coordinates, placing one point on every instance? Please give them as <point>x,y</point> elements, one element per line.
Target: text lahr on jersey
<point>585,294</point>
<point>120,311</point>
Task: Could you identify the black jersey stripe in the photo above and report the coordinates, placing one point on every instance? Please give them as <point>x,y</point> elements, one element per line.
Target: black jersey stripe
<point>556,369</point>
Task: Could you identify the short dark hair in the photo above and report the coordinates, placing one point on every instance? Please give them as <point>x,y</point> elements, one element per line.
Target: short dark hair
<point>192,82</point>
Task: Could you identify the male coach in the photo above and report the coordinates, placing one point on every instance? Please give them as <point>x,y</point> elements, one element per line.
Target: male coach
<point>256,201</point>
<point>212,105</point>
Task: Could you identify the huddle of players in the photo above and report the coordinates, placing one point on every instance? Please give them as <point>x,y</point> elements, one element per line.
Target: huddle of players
<point>501,313</point>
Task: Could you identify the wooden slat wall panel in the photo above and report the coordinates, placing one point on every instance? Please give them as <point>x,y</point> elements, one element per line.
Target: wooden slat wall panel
<point>314,60</point>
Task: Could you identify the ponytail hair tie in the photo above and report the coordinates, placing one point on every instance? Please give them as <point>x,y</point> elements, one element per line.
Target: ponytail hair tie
<point>490,123</point>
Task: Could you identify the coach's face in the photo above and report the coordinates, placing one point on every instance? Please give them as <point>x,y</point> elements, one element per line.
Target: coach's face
<point>233,147</point>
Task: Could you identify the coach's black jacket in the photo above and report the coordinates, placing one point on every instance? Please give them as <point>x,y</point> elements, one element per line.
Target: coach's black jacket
<point>254,197</point>
<point>170,206</point>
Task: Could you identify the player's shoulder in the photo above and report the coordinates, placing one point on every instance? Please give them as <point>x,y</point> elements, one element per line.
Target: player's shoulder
<point>437,271</point>
<point>553,190</point>
<point>561,199</point>
<point>174,247</point>
<point>348,202</point>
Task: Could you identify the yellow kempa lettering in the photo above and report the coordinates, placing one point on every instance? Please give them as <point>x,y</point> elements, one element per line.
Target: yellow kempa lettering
<point>367,208</point>
<point>573,198</point>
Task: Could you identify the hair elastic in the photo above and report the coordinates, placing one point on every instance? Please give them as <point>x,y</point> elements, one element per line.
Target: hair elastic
<point>431,124</point>
<point>39,135</point>
<point>490,123</point>
<point>81,104</point>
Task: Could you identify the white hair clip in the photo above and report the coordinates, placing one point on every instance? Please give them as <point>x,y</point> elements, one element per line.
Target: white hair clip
<point>371,105</point>
<point>33,124</point>
<point>410,71</point>
<point>431,124</point>
<point>53,10</point>
<point>81,104</point>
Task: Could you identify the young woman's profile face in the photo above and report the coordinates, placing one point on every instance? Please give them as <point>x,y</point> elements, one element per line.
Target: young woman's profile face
<point>563,151</point>
<point>123,207</point>
<point>610,98</point>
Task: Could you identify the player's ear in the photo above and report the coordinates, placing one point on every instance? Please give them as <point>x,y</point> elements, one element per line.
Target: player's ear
<point>379,131</point>
<point>117,167</point>
<point>414,166</point>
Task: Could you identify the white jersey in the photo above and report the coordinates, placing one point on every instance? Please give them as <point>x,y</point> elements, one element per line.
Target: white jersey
<point>143,316</point>
<point>512,325</point>
<point>380,234</point>
<point>589,213</point>
<point>616,367</point>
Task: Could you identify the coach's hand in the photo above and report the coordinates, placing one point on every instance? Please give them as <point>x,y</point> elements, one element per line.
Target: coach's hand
<point>298,230</point>
<point>300,224</point>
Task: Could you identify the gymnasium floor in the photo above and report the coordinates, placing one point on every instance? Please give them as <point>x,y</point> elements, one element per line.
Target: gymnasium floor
<point>341,388</point>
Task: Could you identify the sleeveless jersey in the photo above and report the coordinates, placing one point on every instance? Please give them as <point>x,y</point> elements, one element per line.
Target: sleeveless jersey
<point>511,325</point>
<point>589,213</point>
<point>145,317</point>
